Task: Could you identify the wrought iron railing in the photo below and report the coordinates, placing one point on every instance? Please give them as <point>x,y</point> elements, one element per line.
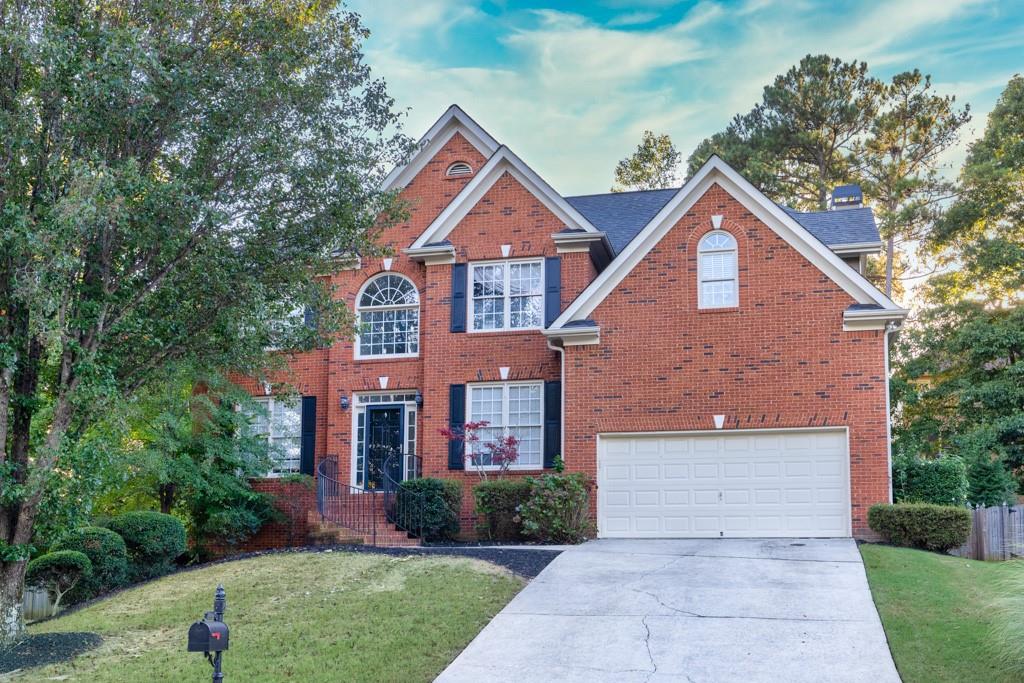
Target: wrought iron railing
<point>404,507</point>
<point>348,506</point>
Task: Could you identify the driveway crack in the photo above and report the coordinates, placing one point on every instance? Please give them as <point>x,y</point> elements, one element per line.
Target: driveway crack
<point>647,644</point>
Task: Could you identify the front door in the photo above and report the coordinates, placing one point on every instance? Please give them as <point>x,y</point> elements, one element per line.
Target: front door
<point>383,444</point>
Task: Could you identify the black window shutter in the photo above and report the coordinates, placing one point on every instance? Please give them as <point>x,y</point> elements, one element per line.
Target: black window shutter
<point>552,422</point>
<point>459,285</point>
<point>308,446</point>
<point>552,289</point>
<point>456,422</point>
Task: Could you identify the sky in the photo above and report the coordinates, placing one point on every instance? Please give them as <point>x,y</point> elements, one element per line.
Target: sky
<point>571,86</point>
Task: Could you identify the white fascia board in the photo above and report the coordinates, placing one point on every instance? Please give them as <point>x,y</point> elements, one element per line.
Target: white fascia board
<point>716,171</point>
<point>856,248</point>
<point>575,336</point>
<point>453,121</point>
<point>432,255</point>
<point>876,319</point>
<point>504,160</point>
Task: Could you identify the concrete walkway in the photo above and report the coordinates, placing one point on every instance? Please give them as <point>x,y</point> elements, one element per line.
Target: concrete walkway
<point>688,610</point>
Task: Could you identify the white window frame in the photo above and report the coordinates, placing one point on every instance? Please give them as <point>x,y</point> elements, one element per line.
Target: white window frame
<point>506,297</point>
<point>361,401</point>
<point>735,279</point>
<point>504,418</point>
<point>356,351</point>
<point>267,403</point>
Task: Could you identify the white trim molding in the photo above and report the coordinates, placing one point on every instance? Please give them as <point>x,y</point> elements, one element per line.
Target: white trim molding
<point>453,121</point>
<point>872,318</point>
<point>852,248</point>
<point>574,241</point>
<point>503,161</point>
<point>577,335</point>
<point>433,254</point>
<point>717,172</point>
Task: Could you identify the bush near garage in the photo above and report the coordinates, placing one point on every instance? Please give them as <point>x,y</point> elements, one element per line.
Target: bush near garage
<point>921,525</point>
<point>942,481</point>
<point>153,541</point>
<point>558,507</point>
<point>108,555</point>
<point>497,505</point>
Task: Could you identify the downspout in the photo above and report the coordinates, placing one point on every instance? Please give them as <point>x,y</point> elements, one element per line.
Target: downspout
<point>891,327</point>
<point>561,412</point>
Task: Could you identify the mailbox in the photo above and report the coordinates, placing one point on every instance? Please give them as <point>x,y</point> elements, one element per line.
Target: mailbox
<point>208,635</point>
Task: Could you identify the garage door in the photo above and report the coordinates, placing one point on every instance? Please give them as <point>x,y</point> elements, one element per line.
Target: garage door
<point>745,484</point>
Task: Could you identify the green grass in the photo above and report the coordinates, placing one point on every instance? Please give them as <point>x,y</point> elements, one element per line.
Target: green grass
<point>938,613</point>
<point>302,617</point>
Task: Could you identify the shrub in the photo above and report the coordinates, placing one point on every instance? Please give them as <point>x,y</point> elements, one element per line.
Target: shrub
<point>942,481</point>
<point>557,510</point>
<point>497,504</point>
<point>106,551</point>
<point>442,501</point>
<point>58,572</point>
<point>921,525</point>
<point>153,541</point>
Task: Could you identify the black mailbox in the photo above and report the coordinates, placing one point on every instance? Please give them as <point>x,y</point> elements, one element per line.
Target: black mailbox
<point>208,635</point>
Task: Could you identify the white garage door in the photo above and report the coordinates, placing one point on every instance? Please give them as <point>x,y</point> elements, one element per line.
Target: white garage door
<point>742,484</point>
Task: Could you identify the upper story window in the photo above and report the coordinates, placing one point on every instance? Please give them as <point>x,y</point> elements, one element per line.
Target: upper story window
<point>459,169</point>
<point>507,295</point>
<point>718,272</point>
<point>389,318</point>
<point>280,422</point>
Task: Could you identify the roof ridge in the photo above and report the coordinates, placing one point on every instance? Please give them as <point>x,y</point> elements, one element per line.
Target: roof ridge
<point>606,194</point>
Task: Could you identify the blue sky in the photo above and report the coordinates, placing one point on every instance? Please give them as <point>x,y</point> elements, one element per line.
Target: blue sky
<point>570,86</point>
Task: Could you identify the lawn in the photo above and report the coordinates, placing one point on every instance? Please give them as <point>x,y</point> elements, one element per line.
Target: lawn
<point>937,613</point>
<point>304,617</point>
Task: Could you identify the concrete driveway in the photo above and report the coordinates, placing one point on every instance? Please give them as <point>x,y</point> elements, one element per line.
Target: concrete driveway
<point>688,610</point>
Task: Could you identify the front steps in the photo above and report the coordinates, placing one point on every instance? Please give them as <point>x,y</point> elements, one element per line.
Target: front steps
<point>323,532</point>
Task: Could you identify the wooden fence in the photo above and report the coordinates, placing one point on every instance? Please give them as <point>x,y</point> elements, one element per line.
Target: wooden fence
<point>36,604</point>
<point>997,533</point>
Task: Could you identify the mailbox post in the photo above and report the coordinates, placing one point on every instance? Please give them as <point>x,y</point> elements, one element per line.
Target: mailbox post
<point>210,634</point>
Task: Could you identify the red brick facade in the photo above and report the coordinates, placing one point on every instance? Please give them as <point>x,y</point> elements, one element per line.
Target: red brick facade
<point>781,359</point>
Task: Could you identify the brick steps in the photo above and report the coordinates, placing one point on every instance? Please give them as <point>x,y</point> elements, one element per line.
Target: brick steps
<point>322,532</point>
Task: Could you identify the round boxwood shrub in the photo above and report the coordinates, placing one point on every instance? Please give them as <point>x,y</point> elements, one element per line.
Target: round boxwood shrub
<point>106,551</point>
<point>921,525</point>
<point>497,505</point>
<point>429,508</point>
<point>58,572</point>
<point>153,540</point>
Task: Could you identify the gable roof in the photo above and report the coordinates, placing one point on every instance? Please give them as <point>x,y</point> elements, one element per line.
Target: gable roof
<point>716,171</point>
<point>503,160</point>
<point>452,121</point>
<point>622,215</point>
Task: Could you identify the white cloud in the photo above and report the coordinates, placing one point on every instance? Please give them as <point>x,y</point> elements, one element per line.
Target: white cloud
<point>633,19</point>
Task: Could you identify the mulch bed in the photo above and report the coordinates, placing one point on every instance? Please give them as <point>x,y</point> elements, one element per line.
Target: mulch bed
<point>47,648</point>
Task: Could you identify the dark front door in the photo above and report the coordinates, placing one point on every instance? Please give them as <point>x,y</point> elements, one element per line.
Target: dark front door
<point>383,444</point>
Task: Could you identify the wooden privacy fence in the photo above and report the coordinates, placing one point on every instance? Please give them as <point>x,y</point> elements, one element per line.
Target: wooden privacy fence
<point>997,533</point>
<point>36,603</point>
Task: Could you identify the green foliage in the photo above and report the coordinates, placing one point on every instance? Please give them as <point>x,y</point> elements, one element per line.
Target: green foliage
<point>107,554</point>
<point>1008,619</point>
<point>990,481</point>
<point>58,572</point>
<point>557,510</point>
<point>942,481</point>
<point>497,503</point>
<point>653,166</point>
<point>921,525</point>
<point>153,541</point>
<point>15,552</point>
<point>438,500</point>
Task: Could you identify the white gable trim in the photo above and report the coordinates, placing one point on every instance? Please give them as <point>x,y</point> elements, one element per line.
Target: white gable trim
<point>501,162</point>
<point>717,172</point>
<point>453,121</point>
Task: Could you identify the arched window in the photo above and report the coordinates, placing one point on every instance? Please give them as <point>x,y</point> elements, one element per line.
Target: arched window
<point>717,271</point>
<point>389,318</point>
<point>459,169</point>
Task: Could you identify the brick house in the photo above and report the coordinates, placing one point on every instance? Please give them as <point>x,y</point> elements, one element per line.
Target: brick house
<point>715,362</point>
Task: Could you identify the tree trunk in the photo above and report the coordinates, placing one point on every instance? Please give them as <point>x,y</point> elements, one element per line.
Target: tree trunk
<point>889,249</point>
<point>12,621</point>
<point>165,492</point>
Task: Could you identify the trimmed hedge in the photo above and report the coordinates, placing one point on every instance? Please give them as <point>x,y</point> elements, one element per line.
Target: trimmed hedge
<point>153,541</point>
<point>942,481</point>
<point>106,551</point>
<point>557,510</point>
<point>58,572</point>
<point>497,504</point>
<point>921,525</point>
<point>442,501</point>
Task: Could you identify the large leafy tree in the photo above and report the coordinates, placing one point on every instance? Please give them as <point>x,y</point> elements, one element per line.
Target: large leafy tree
<point>173,177</point>
<point>960,370</point>
<point>653,166</point>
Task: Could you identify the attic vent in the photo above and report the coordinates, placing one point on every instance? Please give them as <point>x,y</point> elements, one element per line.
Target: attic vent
<point>459,168</point>
<point>846,197</point>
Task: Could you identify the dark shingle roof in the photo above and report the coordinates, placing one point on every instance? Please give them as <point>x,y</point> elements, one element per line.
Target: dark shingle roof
<point>624,214</point>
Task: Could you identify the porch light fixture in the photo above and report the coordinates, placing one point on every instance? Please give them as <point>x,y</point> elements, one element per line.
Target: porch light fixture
<point>344,402</point>
<point>419,399</point>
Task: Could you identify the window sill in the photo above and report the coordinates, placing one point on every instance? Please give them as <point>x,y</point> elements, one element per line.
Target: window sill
<point>724,309</point>
<point>484,333</point>
<point>377,359</point>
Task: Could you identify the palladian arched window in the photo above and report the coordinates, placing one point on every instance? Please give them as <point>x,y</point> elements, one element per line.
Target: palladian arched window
<point>717,271</point>
<point>389,317</point>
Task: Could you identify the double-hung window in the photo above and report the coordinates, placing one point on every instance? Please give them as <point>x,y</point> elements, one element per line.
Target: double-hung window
<point>514,408</point>
<point>280,422</point>
<point>717,271</point>
<point>507,295</point>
